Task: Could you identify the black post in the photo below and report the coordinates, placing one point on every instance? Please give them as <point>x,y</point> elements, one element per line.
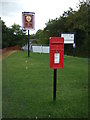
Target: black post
<point>74,52</point>
<point>54,84</point>
<point>28,45</point>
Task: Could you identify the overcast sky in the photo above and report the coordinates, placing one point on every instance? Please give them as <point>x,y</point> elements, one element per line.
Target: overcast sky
<point>44,10</point>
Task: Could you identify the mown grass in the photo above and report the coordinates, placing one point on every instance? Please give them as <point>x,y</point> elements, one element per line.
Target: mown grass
<point>28,87</point>
<point>0,86</point>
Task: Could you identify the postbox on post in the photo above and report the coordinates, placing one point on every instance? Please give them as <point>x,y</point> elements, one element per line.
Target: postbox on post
<point>56,52</point>
<point>56,58</point>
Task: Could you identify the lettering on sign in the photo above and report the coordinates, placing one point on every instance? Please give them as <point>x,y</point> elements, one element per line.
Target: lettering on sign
<point>68,38</point>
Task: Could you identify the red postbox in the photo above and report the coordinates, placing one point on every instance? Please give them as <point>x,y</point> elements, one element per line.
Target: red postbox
<point>56,52</point>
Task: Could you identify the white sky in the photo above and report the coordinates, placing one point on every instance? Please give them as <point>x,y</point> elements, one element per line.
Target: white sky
<point>44,10</point>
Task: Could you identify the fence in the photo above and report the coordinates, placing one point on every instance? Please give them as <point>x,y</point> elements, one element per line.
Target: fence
<point>40,49</point>
<point>37,49</point>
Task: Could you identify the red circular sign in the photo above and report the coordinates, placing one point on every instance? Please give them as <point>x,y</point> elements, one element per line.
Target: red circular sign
<point>28,21</point>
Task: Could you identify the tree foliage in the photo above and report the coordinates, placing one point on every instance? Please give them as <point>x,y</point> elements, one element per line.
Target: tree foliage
<point>12,36</point>
<point>70,21</point>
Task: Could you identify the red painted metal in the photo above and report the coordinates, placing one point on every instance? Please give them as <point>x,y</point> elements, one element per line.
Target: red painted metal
<point>56,52</point>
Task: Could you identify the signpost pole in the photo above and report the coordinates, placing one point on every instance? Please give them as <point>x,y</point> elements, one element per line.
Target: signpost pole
<point>54,84</point>
<point>28,45</point>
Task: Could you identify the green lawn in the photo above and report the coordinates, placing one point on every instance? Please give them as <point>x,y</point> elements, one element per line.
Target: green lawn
<point>0,88</point>
<point>28,87</point>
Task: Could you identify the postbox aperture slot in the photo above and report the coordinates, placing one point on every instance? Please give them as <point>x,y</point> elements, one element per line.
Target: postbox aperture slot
<point>56,43</point>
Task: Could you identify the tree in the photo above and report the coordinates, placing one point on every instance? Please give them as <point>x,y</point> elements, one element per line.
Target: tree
<point>18,34</point>
<point>70,21</point>
<point>12,36</point>
<point>42,36</point>
<point>5,35</point>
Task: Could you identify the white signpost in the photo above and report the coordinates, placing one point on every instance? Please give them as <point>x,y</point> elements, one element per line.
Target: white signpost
<point>69,38</point>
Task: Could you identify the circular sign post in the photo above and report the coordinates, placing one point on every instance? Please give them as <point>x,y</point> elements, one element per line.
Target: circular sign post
<point>28,23</point>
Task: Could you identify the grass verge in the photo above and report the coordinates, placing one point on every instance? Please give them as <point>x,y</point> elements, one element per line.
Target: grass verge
<point>28,87</point>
